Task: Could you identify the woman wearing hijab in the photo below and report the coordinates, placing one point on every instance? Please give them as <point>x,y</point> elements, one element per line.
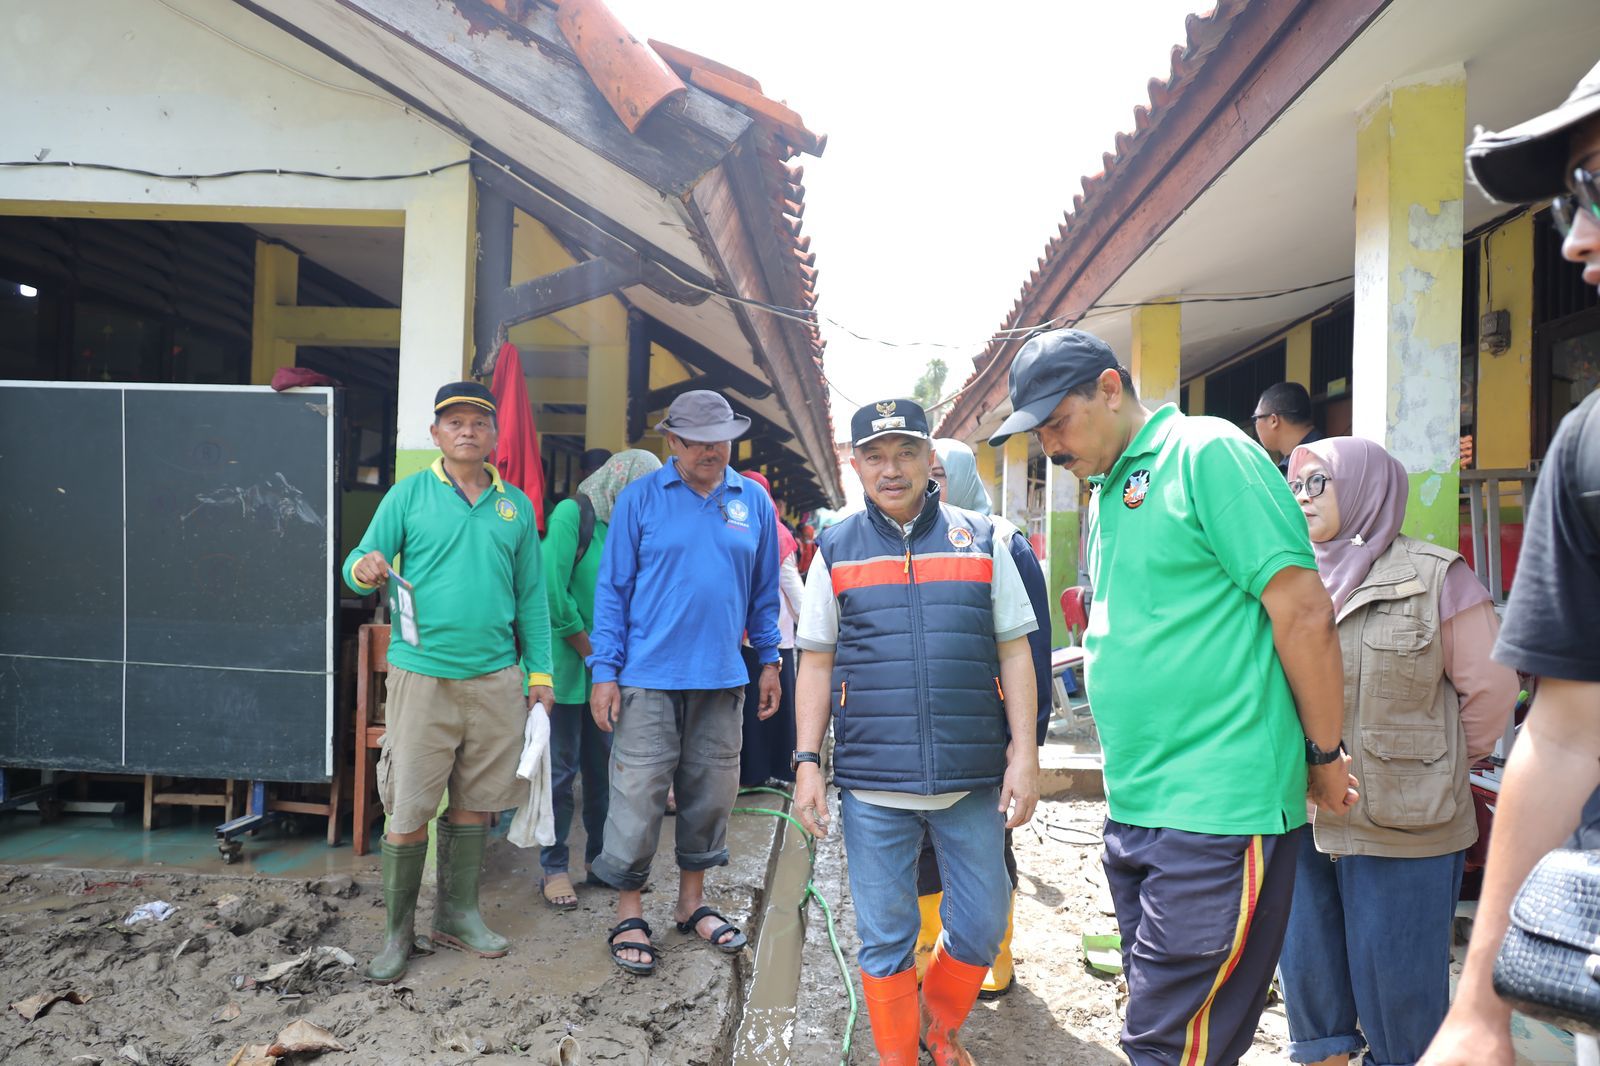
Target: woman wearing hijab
<point>570,569</point>
<point>955,470</point>
<point>764,752</point>
<point>1366,961</point>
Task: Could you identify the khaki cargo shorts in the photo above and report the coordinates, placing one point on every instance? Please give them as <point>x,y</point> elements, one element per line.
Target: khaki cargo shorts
<point>463,735</point>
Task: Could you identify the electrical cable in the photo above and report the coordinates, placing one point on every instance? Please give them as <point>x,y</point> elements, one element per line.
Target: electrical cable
<point>806,896</point>
<point>290,172</point>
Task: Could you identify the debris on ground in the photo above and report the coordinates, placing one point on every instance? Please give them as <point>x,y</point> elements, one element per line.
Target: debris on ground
<point>304,1038</point>
<point>155,911</point>
<point>36,1005</point>
<point>301,973</point>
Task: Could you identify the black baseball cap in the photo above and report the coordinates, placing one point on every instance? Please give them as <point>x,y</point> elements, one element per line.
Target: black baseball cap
<point>1049,365</point>
<point>905,417</point>
<point>463,392</point>
<point>1526,162</point>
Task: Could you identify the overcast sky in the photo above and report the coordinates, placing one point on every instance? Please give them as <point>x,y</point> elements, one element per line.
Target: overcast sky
<point>957,135</point>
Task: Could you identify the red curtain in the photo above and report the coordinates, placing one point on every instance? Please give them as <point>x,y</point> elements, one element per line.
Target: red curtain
<point>517,454</point>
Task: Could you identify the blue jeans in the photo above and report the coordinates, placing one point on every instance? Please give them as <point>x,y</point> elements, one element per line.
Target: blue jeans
<point>577,743</point>
<point>881,846</point>
<point>1368,945</point>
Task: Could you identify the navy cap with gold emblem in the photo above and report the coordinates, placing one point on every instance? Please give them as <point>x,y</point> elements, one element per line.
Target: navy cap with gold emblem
<point>463,392</point>
<point>880,419</point>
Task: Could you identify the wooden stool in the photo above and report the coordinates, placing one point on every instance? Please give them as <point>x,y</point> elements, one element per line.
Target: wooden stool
<point>372,660</point>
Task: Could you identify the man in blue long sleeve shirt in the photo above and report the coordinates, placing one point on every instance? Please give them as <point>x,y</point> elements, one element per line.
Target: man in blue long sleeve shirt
<point>690,564</point>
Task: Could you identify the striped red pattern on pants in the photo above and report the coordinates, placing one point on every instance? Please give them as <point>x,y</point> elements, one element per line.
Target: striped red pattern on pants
<point>1202,919</point>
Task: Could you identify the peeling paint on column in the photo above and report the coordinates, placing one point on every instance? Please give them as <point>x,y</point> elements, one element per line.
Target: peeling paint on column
<point>1436,231</point>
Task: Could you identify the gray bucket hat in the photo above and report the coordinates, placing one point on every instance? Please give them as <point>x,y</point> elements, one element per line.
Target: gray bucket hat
<point>703,416</point>
<point>1524,163</point>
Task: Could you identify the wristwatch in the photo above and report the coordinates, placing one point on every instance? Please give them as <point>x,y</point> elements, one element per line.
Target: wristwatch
<point>798,757</point>
<point>1315,756</point>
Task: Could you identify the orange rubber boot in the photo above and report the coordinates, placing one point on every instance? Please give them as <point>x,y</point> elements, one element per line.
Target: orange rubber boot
<point>949,990</point>
<point>892,1010</point>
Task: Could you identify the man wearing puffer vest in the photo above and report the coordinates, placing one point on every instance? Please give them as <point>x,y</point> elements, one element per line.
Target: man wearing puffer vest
<point>914,637</point>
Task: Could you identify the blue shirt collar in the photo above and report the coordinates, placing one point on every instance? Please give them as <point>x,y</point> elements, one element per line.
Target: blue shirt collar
<point>731,478</point>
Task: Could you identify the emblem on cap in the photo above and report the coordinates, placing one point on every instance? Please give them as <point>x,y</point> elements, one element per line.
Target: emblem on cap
<point>960,538</point>
<point>886,408</point>
<point>507,510</point>
<point>1135,489</point>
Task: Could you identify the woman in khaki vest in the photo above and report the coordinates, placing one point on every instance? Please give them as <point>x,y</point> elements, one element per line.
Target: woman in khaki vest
<point>1366,962</point>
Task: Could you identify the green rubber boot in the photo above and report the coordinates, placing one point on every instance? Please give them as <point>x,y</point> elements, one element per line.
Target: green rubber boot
<point>456,921</point>
<point>402,879</point>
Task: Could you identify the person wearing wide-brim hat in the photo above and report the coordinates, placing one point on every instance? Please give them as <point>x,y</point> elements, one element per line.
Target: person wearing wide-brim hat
<point>1554,610</point>
<point>690,564</point>
<point>461,686</point>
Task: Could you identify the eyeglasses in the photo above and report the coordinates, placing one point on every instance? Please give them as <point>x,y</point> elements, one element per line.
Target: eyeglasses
<point>1583,199</point>
<point>1312,486</point>
<point>1257,418</point>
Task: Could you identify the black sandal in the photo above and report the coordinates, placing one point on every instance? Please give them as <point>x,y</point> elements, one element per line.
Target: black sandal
<point>732,946</point>
<point>627,925</point>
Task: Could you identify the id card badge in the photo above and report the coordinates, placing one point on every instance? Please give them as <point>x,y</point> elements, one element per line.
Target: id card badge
<point>403,609</point>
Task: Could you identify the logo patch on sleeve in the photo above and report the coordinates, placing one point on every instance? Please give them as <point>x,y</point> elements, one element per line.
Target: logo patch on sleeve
<point>506,509</point>
<point>1135,489</point>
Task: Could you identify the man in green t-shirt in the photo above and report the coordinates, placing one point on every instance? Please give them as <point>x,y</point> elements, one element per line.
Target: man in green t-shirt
<point>1214,672</point>
<point>457,710</point>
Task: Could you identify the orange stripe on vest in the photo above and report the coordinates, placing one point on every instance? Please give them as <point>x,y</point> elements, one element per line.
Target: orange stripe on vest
<point>848,576</point>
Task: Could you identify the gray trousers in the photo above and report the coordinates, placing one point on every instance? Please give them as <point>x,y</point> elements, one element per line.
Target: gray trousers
<point>687,740</point>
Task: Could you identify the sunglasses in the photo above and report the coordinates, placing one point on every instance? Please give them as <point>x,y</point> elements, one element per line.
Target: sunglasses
<point>1584,199</point>
<point>1312,486</point>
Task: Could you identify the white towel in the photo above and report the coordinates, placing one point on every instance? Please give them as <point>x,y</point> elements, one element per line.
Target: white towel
<point>535,821</point>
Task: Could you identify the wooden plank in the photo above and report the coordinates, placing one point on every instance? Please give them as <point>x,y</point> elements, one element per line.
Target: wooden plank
<point>565,288</point>
<point>338,327</point>
<point>781,346</point>
<point>190,799</point>
<point>576,224</point>
<point>496,229</point>
<point>638,373</point>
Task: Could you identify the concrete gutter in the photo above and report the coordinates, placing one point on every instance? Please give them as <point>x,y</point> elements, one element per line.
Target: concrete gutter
<point>767,1019</point>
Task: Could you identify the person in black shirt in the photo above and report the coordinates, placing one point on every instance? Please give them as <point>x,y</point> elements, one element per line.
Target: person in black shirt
<point>1552,623</point>
<point>1283,420</point>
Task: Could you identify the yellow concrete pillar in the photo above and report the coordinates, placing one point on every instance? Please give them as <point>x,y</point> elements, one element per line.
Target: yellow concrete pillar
<point>987,468</point>
<point>1197,395</point>
<point>1505,379</point>
<point>1407,359</point>
<point>1297,355</point>
<point>435,308</point>
<point>277,285</point>
<point>606,415</point>
<point>1014,487</point>
<point>1061,533</point>
<point>1157,334</point>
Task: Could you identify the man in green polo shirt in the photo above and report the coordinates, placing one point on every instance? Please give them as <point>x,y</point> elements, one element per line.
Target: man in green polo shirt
<point>459,697</point>
<point>1213,667</point>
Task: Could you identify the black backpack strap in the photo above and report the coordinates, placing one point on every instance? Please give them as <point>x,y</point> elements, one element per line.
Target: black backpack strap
<point>585,525</point>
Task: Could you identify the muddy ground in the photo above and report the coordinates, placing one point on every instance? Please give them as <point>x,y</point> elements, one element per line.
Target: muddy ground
<point>1060,1013</point>
<point>192,989</point>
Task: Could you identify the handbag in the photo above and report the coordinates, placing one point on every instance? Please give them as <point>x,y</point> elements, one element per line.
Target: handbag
<point>1549,964</point>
